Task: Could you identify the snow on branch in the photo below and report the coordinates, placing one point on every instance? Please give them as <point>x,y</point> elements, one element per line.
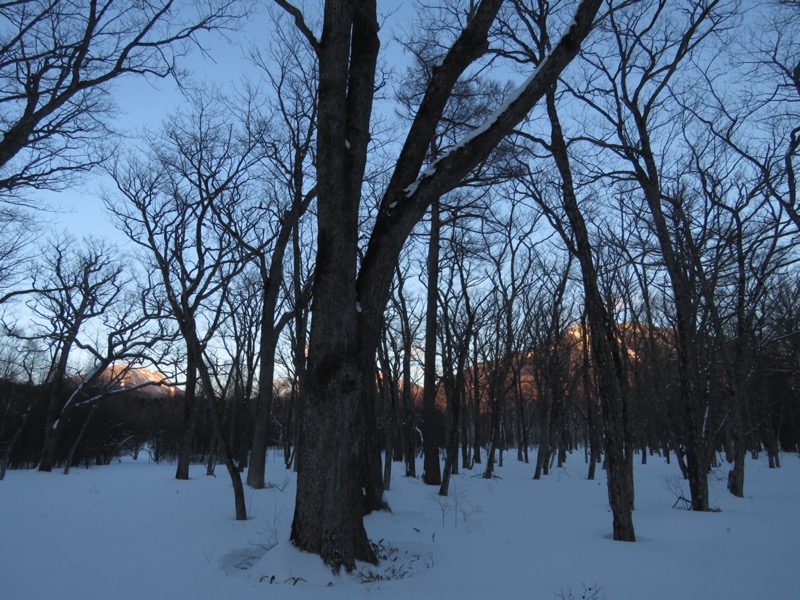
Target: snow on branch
<point>477,144</point>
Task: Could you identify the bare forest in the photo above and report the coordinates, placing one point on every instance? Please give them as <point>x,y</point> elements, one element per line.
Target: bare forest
<point>471,232</point>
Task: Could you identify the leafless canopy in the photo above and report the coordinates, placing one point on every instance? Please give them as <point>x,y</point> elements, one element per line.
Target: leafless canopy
<point>57,58</point>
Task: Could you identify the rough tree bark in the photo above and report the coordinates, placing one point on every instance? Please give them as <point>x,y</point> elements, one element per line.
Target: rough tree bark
<point>348,305</point>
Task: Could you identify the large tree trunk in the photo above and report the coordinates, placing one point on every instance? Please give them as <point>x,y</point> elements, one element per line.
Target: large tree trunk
<point>328,517</point>
<point>329,469</point>
<point>349,304</point>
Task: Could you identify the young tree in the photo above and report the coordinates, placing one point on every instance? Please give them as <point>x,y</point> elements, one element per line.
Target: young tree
<point>655,43</point>
<point>508,240</point>
<point>758,119</point>
<point>85,305</point>
<point>166,205</point>
<point>349,301</point>
<point>21,363</point>
<point>469,104</point>
<point>557,194</point>
<point>406,305</point>
<point>457,330</point>
<point>265,227</point>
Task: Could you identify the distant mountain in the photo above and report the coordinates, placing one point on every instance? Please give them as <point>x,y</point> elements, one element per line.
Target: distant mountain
<point>141,381</point>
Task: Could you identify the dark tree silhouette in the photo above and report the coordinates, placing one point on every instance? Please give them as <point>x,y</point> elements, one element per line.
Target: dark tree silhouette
<point>57,60</point>
<point>334,486</point>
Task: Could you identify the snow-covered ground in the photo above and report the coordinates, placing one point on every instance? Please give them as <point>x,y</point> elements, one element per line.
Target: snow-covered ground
<point>131,531</point>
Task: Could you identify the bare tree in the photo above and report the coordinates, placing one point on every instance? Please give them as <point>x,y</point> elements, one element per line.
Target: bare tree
<point>166,205</point>
<point>17,232</point>
<point>57,60</point>
<point>549,357</point>
<point>431,472</point>
<point>755,120</point>
<point>654,44</point>
<point>557,194</point>
<point>404,304</point>
<point>265,227</point>
<point>349,301</point>
<point>469,104</point>
<point>737,246</point>
<point>509,245</point>
<point>235,375</point>
<point>21,363</point>
<point>85,305</point>
<point>758,118</point>
<point>397,384</point>
<point>458,330</point>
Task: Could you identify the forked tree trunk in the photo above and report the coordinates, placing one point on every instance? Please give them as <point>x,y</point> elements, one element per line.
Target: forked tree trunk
<point>328,517</point>
<point>349,301</point>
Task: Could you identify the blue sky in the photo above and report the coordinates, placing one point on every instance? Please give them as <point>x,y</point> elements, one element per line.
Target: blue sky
<point>145,103</point>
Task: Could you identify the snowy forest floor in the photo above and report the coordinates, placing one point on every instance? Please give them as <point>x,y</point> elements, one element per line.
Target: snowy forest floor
<point>131,531</point>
